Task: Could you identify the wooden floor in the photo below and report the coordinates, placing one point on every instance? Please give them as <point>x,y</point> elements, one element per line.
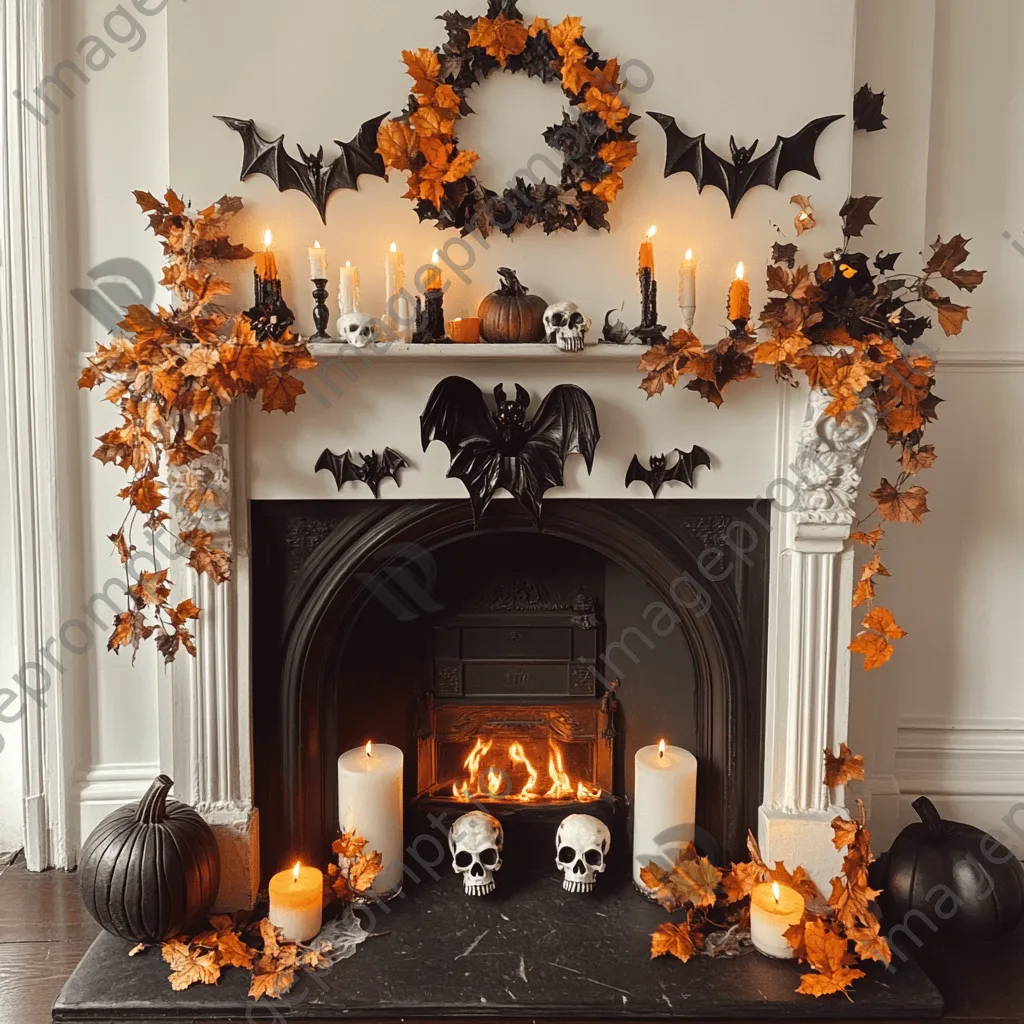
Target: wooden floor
<point>44,931</point>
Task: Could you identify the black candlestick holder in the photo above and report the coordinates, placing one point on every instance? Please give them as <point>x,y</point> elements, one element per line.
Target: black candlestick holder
<point>270,316</point>
<point>649,330</point>
<point>430,326</point>
<point>321,314</point>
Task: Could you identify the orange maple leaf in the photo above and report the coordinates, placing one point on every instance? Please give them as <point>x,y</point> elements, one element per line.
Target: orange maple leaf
<point>842,768</point>
<point>281,391</point>
<point>424,67</point>
<point>896,506</point>
<point>501,38</point>
<point>876,649</point>
<point>396,143</point>
<point>673,939</point>
<point>619,154</point>
<point>828,953</point>
<point>868,539</point>
<point>608,107</point>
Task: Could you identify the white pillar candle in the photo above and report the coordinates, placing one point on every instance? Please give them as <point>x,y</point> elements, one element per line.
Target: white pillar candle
<point>773,909</point>
<point>297,902</point>
<point>370,803</point>
<point>664,805</point>
<point>317,263</point>
<point>688,283</point>
<point>348,290</point>
<point>405,316</point>
<point>394,282</point>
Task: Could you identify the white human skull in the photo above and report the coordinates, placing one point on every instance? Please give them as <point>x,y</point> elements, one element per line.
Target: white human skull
<point>581,846</point>
<point>567,326</point>
<point>476,840</point>
<point>359,329</point>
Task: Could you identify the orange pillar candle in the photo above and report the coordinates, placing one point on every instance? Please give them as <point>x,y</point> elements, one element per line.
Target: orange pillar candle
<point>465,329</point>
<point>739,297</point>
<point>266,262</point>
<point>297,902</point>
<point>773,909</point>
<point>647,251</point>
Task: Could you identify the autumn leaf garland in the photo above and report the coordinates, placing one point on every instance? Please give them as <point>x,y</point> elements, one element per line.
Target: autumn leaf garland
<point>171,374</point>
<point>850,326</point>
<point>597,147</point>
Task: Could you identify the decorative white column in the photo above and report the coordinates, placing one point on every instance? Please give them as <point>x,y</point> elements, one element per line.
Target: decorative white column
<point>211,736</point>
<point>36,377</point>
<point>808,682</point>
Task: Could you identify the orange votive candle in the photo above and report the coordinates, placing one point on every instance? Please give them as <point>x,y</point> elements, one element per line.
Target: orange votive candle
<point>465,329</point>
<point>647,251</point>
<point>739,297</point>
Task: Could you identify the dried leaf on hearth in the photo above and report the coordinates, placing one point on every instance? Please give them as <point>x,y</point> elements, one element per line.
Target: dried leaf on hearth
<point>349,844</point>
<point>799,880</point>
<point>870,944</point>
<point>828,953</point>
<point>190,965</point>
<point>272,984</point>
<point>692,880</point>
<point>674,940</point>
<point>740,879</point>
<point>136,950</point>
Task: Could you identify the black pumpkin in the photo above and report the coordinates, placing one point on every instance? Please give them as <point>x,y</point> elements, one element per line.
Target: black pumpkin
<point>963,880</point>
<point>150,870</point>
<point>511,315</point>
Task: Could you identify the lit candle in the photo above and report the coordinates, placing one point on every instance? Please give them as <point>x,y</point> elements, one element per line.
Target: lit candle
<point>465,329</point>
<point>434,278</point>
<point>297,902</point>
<point>317,263</point>
<point>739,296</point>
<point>664,804</point>
<point>348,290</point>
<point>370,803</point>
<point>266,262</point>
<point>773,909</point>
<point>647,251</point>
<point>688,282</point>
<point>394,278</point>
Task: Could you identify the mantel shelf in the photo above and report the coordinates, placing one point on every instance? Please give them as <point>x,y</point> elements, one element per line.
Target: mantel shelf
<point>517,353</point>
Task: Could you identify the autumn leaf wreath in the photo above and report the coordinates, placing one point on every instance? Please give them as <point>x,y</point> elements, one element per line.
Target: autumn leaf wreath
<point>596,146</point>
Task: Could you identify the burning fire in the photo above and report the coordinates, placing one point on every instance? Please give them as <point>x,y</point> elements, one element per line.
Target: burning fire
<point>495,783</point>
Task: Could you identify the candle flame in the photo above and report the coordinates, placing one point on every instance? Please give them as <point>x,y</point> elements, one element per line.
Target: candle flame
<point>296,870</point>
<point>739,271</point>
<point>436,258</point>
<point>348,264</point>
<point>394,247</point>
<point>652,231</point>
<point>661,748</point>
<point>316,245</point>
<point>268,238</point>
<point>369,748</point>
<point>776,892</point>
<point>689,255</point>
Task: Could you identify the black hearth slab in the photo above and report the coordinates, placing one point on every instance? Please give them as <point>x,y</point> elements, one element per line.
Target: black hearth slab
<point>534,952</point>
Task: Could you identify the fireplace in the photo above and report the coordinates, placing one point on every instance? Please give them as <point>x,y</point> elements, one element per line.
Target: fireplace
<point>520,670</point>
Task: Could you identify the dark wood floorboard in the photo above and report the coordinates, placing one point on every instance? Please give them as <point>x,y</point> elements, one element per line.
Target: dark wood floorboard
<point>44,932</point>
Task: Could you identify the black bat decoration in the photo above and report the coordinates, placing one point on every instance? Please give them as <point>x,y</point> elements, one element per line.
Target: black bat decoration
<point>744,172</point>
<point>309,175</point>
<point>684,468</point>
<point>370,470</point>
<point>491,450</point>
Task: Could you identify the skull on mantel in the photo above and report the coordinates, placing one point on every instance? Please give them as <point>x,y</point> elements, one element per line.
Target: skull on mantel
<point>360,330</point>
<point>567,326</point>
<point>581,846</point>
<point>476,840</point>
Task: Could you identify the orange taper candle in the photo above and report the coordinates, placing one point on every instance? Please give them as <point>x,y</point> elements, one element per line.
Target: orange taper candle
<point>739,297</point>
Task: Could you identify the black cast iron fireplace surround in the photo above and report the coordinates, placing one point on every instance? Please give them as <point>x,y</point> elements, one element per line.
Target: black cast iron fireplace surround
<point>343,602</point>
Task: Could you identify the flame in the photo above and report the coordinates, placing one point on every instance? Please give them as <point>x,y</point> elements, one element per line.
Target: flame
<point>268,238</point>
<point>436,258</point>
<point>739,271</point>
<point>493,781</point>
<point>653,230</point>
<point>316,245</point>
<point>369,748</point>
<point>394,247</point>
<point>689,255</point>
<point>296,870</point>
<point>348,264</point>
<point>776,892</point>
<point>661,748</point>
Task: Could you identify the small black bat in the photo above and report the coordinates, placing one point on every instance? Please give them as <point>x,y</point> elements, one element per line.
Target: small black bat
<point>659,472</point>
<point>491,450</point>
<point>744,172</point>
<point>309,175</point>
<point>370,470</point>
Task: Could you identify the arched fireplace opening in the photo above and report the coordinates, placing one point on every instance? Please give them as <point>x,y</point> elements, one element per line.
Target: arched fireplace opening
<point>400,622</point>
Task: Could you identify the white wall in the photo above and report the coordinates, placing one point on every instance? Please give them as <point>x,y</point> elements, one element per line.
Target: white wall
<point>946,717</point>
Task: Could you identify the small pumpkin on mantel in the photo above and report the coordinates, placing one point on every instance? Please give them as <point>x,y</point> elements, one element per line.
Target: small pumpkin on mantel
<point>963,880</point>
<point>511,315</point>
<point>150,870</point>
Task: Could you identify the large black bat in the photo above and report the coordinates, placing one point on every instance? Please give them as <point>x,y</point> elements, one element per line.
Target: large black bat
<point>744,172</point>
<point>659,473</point>
<point>491,450</point>
<point>370,470</point>
<point>309,175</point>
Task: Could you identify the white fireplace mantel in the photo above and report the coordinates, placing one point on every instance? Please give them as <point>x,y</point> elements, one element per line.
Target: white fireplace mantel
<point>768,441</point>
